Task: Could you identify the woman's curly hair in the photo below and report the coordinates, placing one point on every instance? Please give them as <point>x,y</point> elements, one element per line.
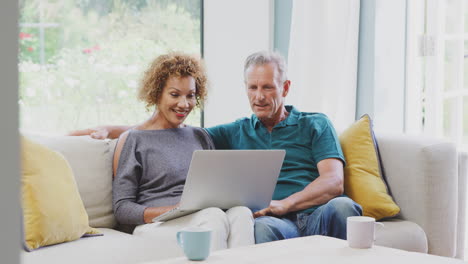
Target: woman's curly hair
<point>168,65</point>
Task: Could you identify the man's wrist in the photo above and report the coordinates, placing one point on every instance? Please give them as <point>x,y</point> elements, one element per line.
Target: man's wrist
<point>288,204</point>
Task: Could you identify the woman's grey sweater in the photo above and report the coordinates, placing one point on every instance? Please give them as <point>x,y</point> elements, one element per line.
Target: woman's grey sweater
<point>152,169</point>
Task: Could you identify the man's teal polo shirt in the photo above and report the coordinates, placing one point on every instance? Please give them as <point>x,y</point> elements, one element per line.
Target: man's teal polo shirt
<point>307,138</point>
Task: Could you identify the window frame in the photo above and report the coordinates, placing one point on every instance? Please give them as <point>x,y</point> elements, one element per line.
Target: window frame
<point>426,54</point>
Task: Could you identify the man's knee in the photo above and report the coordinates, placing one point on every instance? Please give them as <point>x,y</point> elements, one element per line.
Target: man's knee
<point>342,207</point>
<point>330,219</point>
<point>265,230</point>
<point>264,225</point>
<point>268,228</point>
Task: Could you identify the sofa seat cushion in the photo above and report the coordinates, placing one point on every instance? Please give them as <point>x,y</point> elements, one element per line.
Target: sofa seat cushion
<point>401,234</point>
<point>113,247</point>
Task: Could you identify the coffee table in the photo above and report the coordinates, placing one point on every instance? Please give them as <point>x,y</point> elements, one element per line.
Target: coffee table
<point>314,250</point>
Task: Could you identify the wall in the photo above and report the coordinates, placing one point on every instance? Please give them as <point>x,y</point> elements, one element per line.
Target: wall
<point>9,152</point>
<point>232,31</point>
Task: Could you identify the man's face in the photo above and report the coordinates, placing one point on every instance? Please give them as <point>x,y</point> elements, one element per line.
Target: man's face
<point>266,93</point>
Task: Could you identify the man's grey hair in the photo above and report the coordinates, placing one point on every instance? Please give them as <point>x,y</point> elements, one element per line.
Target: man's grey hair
<point>265,57</point>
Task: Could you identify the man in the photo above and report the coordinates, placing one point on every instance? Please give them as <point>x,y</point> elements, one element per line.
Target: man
<point>308,199</point>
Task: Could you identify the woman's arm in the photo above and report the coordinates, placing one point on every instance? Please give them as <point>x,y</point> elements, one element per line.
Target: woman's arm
<point>126,182</point>
<point>125,189</point>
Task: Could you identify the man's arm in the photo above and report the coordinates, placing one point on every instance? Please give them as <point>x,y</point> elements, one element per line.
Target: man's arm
<point>326,187</point>
<point>101,132</point>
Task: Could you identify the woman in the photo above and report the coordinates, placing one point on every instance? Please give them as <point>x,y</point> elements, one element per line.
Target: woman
<point>152,159</point>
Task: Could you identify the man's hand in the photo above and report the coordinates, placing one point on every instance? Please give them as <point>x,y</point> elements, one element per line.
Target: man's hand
<point>276,208</point>
<point>96,133</point>
<point>102,132</point>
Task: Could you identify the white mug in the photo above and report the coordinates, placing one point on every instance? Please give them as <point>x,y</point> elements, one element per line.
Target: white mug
<point>360,231</point>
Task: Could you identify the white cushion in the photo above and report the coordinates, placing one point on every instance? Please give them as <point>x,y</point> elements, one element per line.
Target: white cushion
<point>422,177</point>
<point>401,234</point>
<point>461,218</point>
<point>91,162</point>
<point>113,247</point>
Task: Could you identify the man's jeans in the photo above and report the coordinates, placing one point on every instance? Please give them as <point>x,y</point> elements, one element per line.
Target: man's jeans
<point>327,220</point>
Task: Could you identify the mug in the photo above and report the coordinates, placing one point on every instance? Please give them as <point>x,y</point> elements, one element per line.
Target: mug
<point>195,242</point>
<point>360,231</point>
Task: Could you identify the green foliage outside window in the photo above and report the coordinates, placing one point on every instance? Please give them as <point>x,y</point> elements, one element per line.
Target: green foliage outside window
<point>93,56</point>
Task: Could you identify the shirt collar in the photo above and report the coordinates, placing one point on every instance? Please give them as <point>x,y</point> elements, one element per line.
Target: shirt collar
<point>291,119</point>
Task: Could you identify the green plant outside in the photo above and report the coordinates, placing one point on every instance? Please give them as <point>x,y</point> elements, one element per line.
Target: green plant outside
<point>95,53</point>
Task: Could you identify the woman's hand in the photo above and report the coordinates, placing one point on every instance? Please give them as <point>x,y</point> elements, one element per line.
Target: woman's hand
<point>152,212</point>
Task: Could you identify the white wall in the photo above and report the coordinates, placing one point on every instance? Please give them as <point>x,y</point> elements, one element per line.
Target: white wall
<point>9,151</point>
<point>232,31</point>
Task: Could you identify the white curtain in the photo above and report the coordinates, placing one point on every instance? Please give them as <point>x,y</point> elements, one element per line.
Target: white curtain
<point>322,59</point>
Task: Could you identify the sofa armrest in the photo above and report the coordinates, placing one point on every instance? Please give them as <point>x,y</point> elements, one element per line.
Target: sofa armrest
<point>422,174</point>
<point>462,181</point>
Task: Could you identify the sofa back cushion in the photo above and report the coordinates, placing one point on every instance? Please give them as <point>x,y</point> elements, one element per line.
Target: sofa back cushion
<point>91,163</point>
<point>53,211</point>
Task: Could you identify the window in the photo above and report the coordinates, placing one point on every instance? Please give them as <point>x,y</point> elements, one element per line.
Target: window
<point>81,61</point>
<point>455,65</point>
<point>439,68</point>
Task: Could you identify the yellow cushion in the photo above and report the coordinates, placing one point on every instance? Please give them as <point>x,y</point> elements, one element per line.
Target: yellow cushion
<point>363,179</point>
<point>52,208</point>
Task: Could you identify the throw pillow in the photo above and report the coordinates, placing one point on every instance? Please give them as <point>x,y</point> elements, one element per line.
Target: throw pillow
<point>91,163</point>
<point>52,208</point>
<point>363,178</point>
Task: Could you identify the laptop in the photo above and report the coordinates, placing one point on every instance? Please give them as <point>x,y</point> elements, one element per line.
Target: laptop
<point>228,178</point>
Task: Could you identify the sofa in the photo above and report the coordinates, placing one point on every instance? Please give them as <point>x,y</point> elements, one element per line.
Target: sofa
<point>426,177</point>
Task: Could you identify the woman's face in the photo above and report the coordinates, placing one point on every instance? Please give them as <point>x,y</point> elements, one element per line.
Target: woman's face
<point>177,101</point>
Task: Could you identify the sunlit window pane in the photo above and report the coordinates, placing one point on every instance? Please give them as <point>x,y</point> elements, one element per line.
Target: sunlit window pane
<point>449,118</point>
<point>450,67</point>
<point>81,62</point>
<point>466,17</point>
<point>453,19</point>
<point>465,121</point>
<point>465,66</point>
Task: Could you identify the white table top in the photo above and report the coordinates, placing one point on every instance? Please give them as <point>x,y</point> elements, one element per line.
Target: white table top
<point>314,249</point>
